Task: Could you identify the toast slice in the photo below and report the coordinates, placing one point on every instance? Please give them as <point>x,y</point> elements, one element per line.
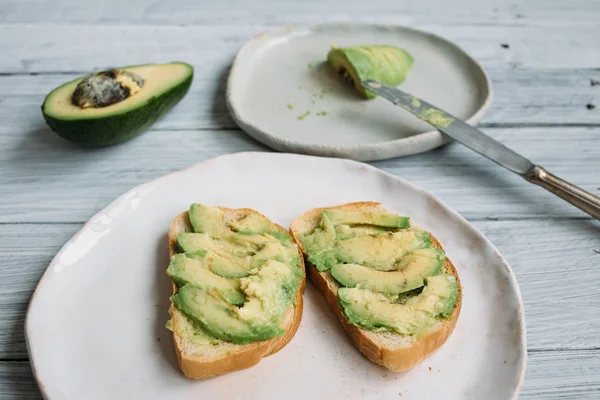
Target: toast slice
<point>203,361</point>
<point>389,349</point>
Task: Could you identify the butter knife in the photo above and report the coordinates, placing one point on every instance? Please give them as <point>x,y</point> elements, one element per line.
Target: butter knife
<point>483,144</point>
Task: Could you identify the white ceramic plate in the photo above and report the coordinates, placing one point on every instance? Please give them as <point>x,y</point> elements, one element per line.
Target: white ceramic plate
<point>278,77</point>
<point>95,326</point>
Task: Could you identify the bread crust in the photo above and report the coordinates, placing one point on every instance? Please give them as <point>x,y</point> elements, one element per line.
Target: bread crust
<point>239,356</point>
<point>395,359</point>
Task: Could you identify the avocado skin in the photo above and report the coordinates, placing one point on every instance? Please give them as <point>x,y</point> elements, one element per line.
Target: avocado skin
<point>111,130</point>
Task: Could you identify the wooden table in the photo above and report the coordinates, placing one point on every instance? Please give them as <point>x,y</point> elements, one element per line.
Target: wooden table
<point>543,57</point>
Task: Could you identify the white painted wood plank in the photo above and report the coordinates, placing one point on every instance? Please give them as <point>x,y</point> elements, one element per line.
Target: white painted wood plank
<point>45,179</point>
<point>25,251</point>
<point>547,377</point>
<point>554,261</point>
<point>550,376</point>
<point>63,47</point>
<point>557,267</point>
<point>17,381</point>
<point>562,375</point>
<point>278,12</point>
<point>521,97</point>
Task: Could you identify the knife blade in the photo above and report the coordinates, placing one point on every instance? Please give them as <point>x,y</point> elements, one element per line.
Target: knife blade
<point>453,127</point>
<point>483,144</point>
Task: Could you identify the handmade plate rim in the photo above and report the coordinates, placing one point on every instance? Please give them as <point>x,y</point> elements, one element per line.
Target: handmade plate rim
<point>121,198</point>
<point>414,144</point>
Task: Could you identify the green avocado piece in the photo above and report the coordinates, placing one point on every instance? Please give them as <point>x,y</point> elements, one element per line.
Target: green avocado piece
<point>220,318</point>
<point>187,270</point>
<point>319,244</point>
<point>338,217</point>
<point>209,220</point>
<point>374,311</point>
<point>269,291</point>
<point>190,330</point>
<point>234,285</point>
<point>115,116</point>
<point>250,231</point>
<point>224,258</point>
<point>252,224</point>
<point>235,258</point>
<point>286,253</point>
<point>411,273</point>
<point>381,251</point>
<point>190,242</point>
<point>387,64</point>
<point>343,232</point>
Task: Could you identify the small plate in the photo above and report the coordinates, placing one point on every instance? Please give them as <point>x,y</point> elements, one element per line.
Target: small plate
<point>95,325</point>
<point>282,93</point>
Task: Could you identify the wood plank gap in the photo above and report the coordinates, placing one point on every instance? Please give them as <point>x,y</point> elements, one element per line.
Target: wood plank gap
<point>475,219</point>
<point>532,218</point>
<point>563,349</point>
<point>538,125</point>
<point>43,223</point>
<point>491,125</point>
<point>45,73</point>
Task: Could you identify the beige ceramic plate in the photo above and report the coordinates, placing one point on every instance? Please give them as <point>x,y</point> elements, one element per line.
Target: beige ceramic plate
<point>95,326</point>
<point>282,93</point>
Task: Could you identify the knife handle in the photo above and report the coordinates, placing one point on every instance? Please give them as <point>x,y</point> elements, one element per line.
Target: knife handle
<point>581,199</point>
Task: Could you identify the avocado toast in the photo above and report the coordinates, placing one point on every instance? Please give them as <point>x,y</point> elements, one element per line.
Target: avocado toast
<point>389,284</point>
<point>238,280</point>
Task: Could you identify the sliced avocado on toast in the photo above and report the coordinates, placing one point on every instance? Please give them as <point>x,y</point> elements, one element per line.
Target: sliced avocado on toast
<point>390,285</point>
<point>387,64</point>
<point>410,273</point>
<point>238,280</point>
<point>374,311</point>
<point>110,107</point>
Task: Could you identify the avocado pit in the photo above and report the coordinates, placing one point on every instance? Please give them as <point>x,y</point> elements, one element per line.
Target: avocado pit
<point>105,88</point>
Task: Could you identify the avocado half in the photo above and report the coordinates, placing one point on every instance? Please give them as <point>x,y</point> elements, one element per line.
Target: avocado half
<point>164,85</point>
<point>387,64</point>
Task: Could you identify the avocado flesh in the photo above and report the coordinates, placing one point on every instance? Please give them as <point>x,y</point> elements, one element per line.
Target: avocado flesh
<point>374,311</point>
<point>252,224</point>
<point>386,64</point>
<point>218,317</point>
<point>191,242</point>
<point>338,217</point>
<point>389,276</point>
<point>343,232</point>
<point>190,330</point>
<point>209,220</point>
<point>234,259</point>
<point>269,291</point>
<point>267,265</point>
<point>187,270</point>
<point>380,251</point>
<point>410,274</point>
<point>164,85</point>
<point>319,244</point>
